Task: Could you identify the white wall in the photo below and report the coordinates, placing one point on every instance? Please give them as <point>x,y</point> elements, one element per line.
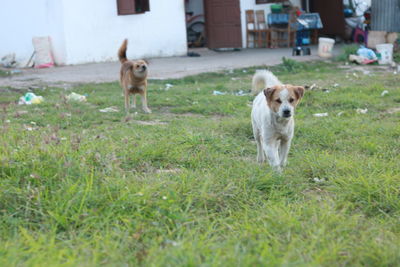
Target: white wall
<point>94,31</point>
<point>25,19</point>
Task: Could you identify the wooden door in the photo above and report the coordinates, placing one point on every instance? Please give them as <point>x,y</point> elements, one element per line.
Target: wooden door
<point>223,25</point>
<point>332,16</point>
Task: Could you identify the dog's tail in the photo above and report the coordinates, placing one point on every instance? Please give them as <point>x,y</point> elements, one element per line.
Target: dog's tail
<point>263,79</point>
<point>122,51</point>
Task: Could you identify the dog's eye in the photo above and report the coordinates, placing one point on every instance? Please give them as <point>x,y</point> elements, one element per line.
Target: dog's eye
<point>279,101</point>
<point>291,100</point>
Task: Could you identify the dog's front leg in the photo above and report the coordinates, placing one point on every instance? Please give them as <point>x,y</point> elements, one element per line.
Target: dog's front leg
<point>144,103</point>
<point>133,101</point>
<point>284,151</point>
<point>271,150</point>
<point>127,102</point>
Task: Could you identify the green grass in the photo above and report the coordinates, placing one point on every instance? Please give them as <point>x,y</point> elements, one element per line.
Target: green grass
<point>85,188</point>
<point>4,73</point>
<point>347,51</point>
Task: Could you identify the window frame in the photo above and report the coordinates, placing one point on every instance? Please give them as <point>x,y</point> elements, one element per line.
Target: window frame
<point>132,9</point>
<point>261,2</point>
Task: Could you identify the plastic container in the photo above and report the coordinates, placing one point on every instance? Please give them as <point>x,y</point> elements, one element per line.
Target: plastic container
<point>386,52</point>
<point>325,46</point>
<point>276,8</point>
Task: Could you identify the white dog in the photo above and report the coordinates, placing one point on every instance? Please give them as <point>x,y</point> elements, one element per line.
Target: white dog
<point>272,117</point>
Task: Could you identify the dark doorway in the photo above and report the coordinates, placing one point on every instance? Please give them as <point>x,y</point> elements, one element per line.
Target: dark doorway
<point>223,24</point>
<point>332,16</point>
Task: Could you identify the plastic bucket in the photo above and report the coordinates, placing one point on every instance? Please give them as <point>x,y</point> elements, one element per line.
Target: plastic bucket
<point>325,46</point>
<point>386,51</point>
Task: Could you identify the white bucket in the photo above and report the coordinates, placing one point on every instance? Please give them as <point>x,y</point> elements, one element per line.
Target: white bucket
<point>386,51</point>
<point>325,46</point>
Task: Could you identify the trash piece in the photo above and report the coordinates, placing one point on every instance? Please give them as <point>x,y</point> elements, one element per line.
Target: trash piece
<point>366,53</point>
<point>366,72</point>
<point>386,52</point>
<point>321,114</point>
<point>336,85</point>
<point>340,113</point>
<point>355,75</point>
<point>361,111</point>
<point>15,71</point>
<point>325,90</point>
<point>8,61</point>
<point>385,92</point>
<point>30,98</point>
<point>325,47</point>
<point>360,59</point>
<point>312,87</point>
<point>218,93</point>
<point>76,97</point>
<point>29,128</point>
<point>168,86</point>
<point>241,93</point>
<point>109,109</point>
<point>318,180</point>
<point>43,54</point>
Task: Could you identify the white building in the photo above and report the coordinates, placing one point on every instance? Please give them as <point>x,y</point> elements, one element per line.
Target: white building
<point>84,31</point>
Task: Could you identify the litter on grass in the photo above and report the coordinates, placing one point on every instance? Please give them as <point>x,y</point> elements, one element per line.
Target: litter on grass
<point>219,93</point>
<point>385,92</point>
<point>321,114</point>
<point>361,111</point>
<point>109,109</point>
<point>241,93</point>
<point>76,97</point>
<point>168,86</point>
<point>30,98</point>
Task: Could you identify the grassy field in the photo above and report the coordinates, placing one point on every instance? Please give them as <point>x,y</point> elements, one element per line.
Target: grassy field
<point>180,186</point>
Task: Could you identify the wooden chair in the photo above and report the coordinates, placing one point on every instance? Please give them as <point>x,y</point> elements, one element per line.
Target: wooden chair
<point>251,27</point>
<point>286,35</point>
<point>264,34</point>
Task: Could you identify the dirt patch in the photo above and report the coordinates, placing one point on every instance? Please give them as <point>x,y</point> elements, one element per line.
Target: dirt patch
<point>393,110</point>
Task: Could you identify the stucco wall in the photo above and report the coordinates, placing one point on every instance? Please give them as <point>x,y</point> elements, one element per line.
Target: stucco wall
<point>94,31</point>
<point>25,19</point>
<point>91,30</point>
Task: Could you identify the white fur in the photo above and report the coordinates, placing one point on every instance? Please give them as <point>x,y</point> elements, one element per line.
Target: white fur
<point>272,132</point>
<point>262,78</point>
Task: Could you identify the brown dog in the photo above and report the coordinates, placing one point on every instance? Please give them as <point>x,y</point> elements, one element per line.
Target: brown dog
<point>133,78</point>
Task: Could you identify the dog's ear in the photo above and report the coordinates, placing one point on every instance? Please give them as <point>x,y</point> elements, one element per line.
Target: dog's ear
<point>268,92</point>
<point>299,91</point>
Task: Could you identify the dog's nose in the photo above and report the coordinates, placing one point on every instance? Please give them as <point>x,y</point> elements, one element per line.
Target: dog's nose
<point>144,67</point>
<point>286,113</point>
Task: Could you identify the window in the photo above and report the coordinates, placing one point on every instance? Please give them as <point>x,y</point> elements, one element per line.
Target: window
<point>268,1</point>
<point>127,7</point>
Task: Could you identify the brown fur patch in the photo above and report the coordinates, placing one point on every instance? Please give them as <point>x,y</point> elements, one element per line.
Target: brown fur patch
<point>272,95</point>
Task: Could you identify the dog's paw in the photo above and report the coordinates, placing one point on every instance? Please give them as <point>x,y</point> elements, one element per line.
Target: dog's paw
<point>277,169</point>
